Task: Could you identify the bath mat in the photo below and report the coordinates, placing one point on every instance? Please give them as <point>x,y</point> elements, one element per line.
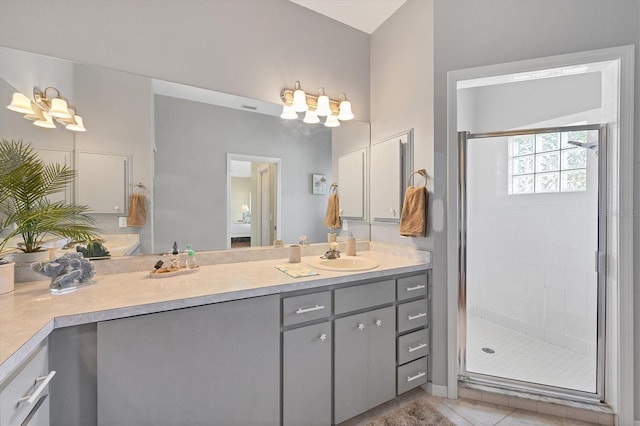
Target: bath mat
<point>416,413</point>
<point>297,270</point>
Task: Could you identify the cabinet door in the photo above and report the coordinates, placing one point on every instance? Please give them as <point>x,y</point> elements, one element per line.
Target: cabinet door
<point>306,378</point>
<point>351,184</point>
<point>102,182</point>
<point>391,164</point>
<point>381,384</point>
<point>386,180</point>
<point>351,367</point>
<point>208,365</point>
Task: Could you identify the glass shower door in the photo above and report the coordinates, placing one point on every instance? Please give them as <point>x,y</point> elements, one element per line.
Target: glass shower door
<point>531,286</point>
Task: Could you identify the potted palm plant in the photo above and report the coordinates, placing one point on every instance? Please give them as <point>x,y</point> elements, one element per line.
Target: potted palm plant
<point>26,183</point>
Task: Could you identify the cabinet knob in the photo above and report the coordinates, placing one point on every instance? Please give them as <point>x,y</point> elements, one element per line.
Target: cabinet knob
<point>393,211</point>
<point>323,337</point>
<point>361,326</point>
<point>116,208</point>
<point>378,323</point>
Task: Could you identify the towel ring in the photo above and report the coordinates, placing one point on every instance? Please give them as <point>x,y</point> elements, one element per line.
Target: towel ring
<point>421,172</point>
<point>139,188</point>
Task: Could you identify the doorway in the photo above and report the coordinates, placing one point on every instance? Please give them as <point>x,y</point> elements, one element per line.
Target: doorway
<point>533,240</point>
<point>618,111</point>
<point>253,200</point>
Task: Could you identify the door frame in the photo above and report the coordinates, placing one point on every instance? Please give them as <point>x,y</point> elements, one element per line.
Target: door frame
<point>619,346</point>
<point>278,194</point>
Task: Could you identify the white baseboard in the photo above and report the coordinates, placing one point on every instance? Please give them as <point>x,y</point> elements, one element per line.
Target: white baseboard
<point>439,390</point>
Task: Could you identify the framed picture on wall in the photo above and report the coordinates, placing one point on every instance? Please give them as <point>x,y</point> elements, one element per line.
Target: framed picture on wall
<point>318,184</point>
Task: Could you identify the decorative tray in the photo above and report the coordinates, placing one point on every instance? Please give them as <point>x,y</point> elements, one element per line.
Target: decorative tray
<point>165,273</point>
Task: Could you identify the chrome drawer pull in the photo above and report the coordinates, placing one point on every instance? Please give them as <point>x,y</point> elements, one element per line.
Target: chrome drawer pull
<point>378,323</point>
<point>361,326</point>
<point>418,287</point>
<point>420,315</point>
<point>305,310</point>
<point>323,337</point>
<point>417,376</point>
<point>417,348</point>
<point>44,381</point>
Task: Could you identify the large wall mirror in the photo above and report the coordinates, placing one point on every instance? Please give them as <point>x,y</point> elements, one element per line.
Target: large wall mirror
<point>175,142</point>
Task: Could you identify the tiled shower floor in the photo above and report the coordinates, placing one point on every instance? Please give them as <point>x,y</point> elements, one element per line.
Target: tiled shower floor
<point>518,356</point>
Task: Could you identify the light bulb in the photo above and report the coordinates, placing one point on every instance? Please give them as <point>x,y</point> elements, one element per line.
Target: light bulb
<point>78,126</point>
<point>288,113</point>
<point>20,103</point>
<point>311,117</point>
<point>345,111</point>
<point>332,121</point>
<point>299,99</point>
<point>323,108</point>
<point>59,108</point>
<point>47,121</point>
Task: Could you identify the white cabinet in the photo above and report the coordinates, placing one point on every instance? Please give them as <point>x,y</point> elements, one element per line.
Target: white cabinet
<point>391,163</point>
<point>24,398</point>
<point>53,156</point>
<point>351,183</point>
<point>103,182</point>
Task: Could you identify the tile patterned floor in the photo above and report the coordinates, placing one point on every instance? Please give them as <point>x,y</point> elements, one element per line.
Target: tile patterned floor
<point>463,412</point>
<point>521,357</point>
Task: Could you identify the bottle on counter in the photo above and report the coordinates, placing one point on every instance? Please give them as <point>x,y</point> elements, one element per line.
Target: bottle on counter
<point>351,245</point>
<point>191,257</point>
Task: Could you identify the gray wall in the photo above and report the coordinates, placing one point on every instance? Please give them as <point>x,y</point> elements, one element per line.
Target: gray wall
<point>243,47</point>
<point>402,93</point>
<point>471,33</point>
<point>190,187</point>
<point>117,109</point>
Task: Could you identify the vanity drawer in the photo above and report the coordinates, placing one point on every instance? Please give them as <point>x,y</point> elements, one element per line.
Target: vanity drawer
<point>24,384</point>
<point>410,287</point>
<point>308,307</point>
<point>413,346</point>
<point>412,375</point>
<point>364,296</point>
<point>412,315</point>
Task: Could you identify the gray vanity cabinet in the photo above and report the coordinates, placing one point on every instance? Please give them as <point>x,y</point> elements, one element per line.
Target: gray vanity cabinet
<point>214,364</point>
<point>365,361</point>
<point>306,381</point>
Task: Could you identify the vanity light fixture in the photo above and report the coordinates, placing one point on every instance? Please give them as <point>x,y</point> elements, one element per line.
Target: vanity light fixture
<point>46,106</point>
<point>297,100</point>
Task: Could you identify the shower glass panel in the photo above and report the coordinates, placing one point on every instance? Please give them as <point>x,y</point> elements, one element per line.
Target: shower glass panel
<point>531,206</point>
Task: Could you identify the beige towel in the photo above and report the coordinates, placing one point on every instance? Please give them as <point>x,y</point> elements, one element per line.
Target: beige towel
<point>413,222</point>
<point>332,218</point>
<point>137,215</point>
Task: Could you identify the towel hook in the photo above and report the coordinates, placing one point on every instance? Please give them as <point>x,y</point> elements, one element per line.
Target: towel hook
<point>421,172</point>
<point>333,187</point>
<point>140,188</point>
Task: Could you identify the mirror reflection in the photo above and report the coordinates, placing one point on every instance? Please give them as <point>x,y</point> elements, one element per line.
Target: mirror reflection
<point>172,143</point>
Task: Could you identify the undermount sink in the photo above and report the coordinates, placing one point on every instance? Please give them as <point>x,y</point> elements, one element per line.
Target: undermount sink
<point>346,264</point>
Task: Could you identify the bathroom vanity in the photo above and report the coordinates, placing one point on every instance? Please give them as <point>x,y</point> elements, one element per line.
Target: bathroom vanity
<point>233,344</point>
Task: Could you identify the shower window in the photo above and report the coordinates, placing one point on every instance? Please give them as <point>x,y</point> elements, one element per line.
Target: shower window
<point>548,162</point>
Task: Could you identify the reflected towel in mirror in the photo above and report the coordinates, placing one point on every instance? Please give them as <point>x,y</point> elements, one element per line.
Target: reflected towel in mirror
<point>137,215</point>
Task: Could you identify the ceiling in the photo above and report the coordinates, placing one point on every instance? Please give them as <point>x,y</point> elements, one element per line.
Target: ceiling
<point>364,15</point>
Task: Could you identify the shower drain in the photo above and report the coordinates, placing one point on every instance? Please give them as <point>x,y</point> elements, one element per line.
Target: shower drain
<point>488,350</point>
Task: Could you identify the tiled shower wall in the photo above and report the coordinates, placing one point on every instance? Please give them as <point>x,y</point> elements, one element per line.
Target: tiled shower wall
<point>531,258</point>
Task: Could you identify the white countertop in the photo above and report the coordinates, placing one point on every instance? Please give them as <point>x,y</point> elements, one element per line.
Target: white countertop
<point>30,312</point>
